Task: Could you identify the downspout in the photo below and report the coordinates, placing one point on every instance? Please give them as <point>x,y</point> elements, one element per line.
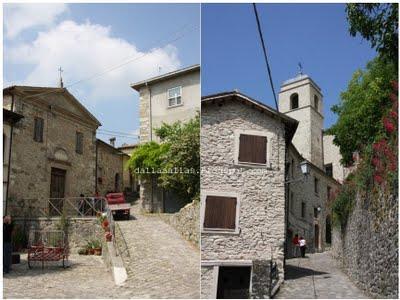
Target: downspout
<point>96,175</point>
<point>151,139</point>
<point>9,154</point>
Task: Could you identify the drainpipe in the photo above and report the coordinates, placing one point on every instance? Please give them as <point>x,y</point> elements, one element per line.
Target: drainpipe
<point>95,180</point>
<point>151,138</point>
<point>9,154</point>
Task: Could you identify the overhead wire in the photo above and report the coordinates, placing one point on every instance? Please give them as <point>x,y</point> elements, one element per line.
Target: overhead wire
<point>265,55</point>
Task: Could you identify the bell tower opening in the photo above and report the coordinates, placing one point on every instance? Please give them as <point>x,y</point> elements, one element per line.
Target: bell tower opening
<point>301,99</point>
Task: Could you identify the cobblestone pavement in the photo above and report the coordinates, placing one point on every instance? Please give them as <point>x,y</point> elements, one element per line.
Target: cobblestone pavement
<point>87,277</point>
<point>317,276</point>
<point>162,264</point>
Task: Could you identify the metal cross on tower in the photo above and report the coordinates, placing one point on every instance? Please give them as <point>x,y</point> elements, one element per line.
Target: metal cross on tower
<point>300,68</point>
<point>60,70</point>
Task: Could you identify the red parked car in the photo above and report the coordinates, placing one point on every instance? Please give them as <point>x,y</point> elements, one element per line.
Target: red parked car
<point>118,206</point>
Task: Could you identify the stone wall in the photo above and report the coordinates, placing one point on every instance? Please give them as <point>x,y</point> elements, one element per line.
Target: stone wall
<point>32,161</point>
<point>186,221</point>
<point>80,230</point>
<point>367,249</point>
<point>109,164</point>
<point>207,282</point>
<point>260,190</point>
<point>303,192</point>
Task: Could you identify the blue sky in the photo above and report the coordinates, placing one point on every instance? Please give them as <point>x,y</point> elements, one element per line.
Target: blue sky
<point>314,34</point>
<point>86,39</point>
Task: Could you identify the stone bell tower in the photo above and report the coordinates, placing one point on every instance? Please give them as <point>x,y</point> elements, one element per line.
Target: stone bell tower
<point>301,99</point>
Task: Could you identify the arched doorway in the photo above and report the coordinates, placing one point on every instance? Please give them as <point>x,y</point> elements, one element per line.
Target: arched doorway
<point>328,230</point>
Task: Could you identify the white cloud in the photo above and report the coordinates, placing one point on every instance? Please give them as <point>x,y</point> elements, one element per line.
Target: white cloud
<point>19,17</point>
<point>86,49</point>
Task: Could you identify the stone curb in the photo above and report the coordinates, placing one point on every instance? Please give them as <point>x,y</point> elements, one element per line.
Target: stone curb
<point>115,263</point>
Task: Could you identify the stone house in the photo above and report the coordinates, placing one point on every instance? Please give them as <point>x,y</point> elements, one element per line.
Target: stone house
<point>54,146</point>
<point>167,98</point>
<point>243,152</point>
<point>111,168</point>
<point>10,118</point>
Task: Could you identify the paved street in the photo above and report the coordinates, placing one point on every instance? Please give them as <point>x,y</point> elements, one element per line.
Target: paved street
<point>317,276</point>
<point>163,265</point>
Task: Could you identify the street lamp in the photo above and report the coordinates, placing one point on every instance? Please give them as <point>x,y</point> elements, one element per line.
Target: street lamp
<point>305,167</point>
<point>305,170</point>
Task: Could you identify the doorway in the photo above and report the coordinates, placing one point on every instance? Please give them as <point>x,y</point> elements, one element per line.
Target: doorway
<point>328,230</point>
<point>57,190</point>
<point>316,237</point>
<point>234,283</point>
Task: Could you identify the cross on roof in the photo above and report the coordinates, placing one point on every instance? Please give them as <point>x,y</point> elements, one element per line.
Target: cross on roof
<point>300,68</point>
<point>60,70</point>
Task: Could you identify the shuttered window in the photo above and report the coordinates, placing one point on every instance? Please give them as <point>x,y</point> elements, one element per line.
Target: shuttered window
<point>220,212</point>
<point>253,149</point>
<point>38,130</point>
<point>79,143</point>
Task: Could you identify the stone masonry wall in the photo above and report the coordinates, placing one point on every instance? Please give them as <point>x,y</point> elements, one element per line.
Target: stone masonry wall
<point>80,230</point>
<point>32,161</point>
<point>186,222</point>
<point>368,250</point>
<point>110,163</point>
<point>261,191</point>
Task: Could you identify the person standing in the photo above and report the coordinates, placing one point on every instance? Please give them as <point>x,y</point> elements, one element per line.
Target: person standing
<point>302,244</point>
<point>295,243</point>
<point>7,246</point>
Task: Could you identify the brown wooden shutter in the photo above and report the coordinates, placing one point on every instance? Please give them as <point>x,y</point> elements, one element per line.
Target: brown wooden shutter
<point>253,149</point>
<point>220,212</point>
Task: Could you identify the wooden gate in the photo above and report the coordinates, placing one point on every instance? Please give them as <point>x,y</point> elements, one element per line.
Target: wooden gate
<point>57,189</point>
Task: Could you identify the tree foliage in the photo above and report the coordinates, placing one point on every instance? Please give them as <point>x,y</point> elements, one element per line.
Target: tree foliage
<point>175,161</point>
<point>362,107</point>
<point>377,23</point>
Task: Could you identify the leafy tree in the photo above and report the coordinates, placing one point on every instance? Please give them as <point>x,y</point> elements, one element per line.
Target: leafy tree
<point>175,161</point>
<point>377,23</point>
<point>362,107</point>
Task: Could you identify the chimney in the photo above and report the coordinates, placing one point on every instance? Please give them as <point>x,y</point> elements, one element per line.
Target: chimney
<point>112,141</point>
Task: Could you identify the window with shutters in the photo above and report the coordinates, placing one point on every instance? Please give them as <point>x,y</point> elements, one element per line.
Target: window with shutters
<point>79,143</point>
<point>38,130</point>
<point>252,149</point>
<point>220,213</point>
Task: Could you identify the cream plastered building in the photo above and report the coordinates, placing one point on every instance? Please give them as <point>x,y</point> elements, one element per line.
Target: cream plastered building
<point>167,98</point>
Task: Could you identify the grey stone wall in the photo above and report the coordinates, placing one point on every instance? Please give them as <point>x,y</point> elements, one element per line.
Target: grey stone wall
<point>186,221</point>
<point>368,249</point>
<point>303,191</point>
<point>110,163</point>
<point>32,161</point>
<point>261,224</point>
<point>207,280</point>
<point>80,230</point>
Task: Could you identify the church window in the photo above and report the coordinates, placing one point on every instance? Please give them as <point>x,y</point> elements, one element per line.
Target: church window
<point>294,101</point>
<point>79,143</point>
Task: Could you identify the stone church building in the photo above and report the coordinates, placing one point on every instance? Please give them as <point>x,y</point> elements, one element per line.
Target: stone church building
<point>55,153</point>
<point>254,195</point>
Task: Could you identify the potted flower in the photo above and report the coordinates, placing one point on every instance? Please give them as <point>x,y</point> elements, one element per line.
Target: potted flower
<point>96,246</point>
<point>108,236</point>
<point>89,248</point>
<point>105,224</point>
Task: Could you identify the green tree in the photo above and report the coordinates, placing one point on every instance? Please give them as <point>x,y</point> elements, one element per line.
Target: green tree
<point>377,23</point>
<point>175,161</point>
<point>362,107</point>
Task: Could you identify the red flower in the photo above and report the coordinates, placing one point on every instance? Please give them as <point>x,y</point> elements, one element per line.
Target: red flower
<point>378,178</point>
<point>388,125</point>
<point>376,161</point>
<point>393,114</point>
